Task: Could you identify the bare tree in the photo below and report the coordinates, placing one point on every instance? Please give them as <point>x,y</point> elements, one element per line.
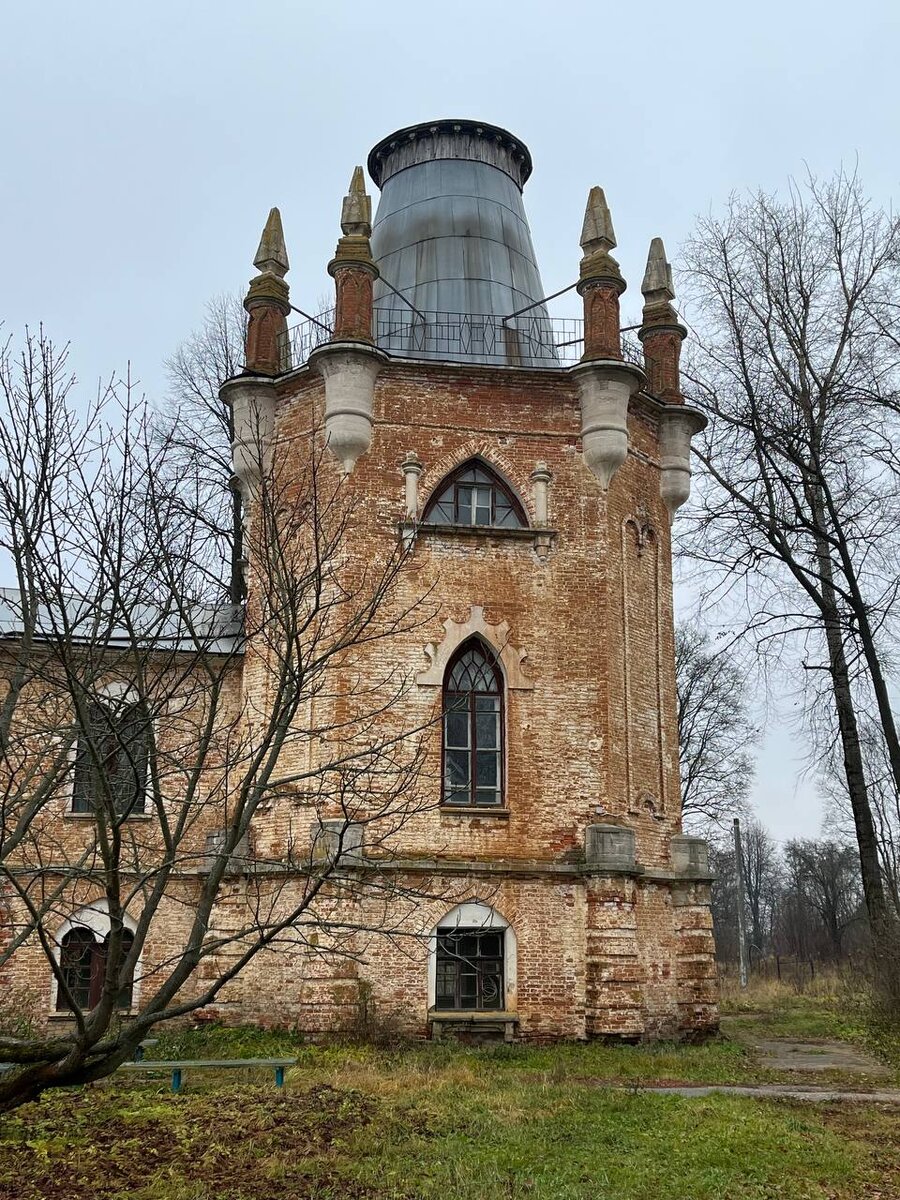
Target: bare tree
<point>200,428</point>
<point>883,795</point>
<point>825,876</point>
<point>804,900</point>
<point>143,727</point>
<point>798,372</point>
<point>723,900</point>
<point>714,731</point>
<point>762,891</point>
<point>761,881</point>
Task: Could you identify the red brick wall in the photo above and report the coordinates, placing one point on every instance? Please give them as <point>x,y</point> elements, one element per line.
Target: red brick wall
<point>593,739</point>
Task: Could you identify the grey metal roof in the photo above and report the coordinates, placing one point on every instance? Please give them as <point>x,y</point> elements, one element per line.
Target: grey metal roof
<point>215,630</point>
<point>452,137</point>
<point>450,233</point>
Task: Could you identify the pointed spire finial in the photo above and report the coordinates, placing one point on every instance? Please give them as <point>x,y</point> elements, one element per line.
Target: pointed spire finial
<point>356,211</point>
<point>657,285</point>
<point>271,256</point>
<point>597,232</point>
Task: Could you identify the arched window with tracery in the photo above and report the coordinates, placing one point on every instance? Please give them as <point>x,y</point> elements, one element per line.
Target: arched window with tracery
<point>474,495</point>
<point>473,729</point>
<point>83,955</point>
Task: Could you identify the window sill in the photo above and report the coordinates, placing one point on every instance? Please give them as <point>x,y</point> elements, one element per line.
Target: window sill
<point>510,531</point>
<point>474,1016</point>
<point>541,538</point>
<point>473,810</point>
<point>69,1016</point>
<point>79,816</point>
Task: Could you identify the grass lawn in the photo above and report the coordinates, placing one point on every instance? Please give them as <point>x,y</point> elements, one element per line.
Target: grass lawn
<point>448,1122</point>
<point>456,1131</point>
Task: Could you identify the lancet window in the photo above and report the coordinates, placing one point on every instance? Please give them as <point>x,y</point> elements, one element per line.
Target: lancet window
<point>473,729</point>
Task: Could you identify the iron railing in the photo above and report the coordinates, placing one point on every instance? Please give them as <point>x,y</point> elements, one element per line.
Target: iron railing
<point>299,341</point>
<point>524,341</point>
<point>528,341</point>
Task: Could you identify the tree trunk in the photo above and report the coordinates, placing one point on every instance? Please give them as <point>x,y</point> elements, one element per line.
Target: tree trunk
<point>882,927</point>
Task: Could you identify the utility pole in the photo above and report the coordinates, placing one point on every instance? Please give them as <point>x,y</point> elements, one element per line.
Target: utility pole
<point>741,925</point>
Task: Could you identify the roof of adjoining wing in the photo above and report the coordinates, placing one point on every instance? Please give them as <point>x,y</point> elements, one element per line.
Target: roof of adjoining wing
<point>212,630</point>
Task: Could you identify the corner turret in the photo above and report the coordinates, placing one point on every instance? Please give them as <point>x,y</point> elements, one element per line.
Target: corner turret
<point>605,382</point>
<point>350,363</point>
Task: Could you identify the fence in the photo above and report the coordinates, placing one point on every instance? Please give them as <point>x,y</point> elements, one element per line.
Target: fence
<point>526,341</point>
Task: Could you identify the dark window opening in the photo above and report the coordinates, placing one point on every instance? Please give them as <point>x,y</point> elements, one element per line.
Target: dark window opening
<point>111,760</point>
<point>469,969</point>
<point>82,960</point>
<point>474,495</point>
<point>473,729</point>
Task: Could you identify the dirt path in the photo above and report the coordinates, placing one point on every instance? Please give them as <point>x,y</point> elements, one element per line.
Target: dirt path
<point>784,1054</point>
<point>851,1073</point>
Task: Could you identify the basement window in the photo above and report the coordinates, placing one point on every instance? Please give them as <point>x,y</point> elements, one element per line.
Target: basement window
<point>82,961</point>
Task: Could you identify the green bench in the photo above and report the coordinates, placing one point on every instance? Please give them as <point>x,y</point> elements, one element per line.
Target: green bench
<point>213,1064</point>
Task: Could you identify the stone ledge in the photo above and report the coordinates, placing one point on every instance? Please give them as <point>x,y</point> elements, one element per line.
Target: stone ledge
<point>461,1015</point>
<point>434,866</point>
<point>68,815</point>
<point>516,533</point>
<point>499,1020</point>
<point>472,810</point>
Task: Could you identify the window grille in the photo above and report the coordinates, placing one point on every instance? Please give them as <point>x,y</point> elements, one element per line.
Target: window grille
<point>469,969</point>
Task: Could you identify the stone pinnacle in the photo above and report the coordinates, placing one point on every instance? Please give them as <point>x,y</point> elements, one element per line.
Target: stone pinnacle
<point>356,210</point>
<point>597,232</point>
<point>272,256</point>
<point>658,275</point>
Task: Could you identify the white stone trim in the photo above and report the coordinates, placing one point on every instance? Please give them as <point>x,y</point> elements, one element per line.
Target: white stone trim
<point>95,917</point>
<point>412,468</point>
<point>495,636</point>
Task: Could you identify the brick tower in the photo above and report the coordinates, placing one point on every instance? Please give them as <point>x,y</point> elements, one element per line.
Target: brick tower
<point>532,466</point>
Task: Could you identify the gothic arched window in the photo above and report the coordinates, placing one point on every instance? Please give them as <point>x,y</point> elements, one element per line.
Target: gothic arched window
<point>112,753</point>
<point>473,729</point>
<point>82,960</point>
<point>474,495</point>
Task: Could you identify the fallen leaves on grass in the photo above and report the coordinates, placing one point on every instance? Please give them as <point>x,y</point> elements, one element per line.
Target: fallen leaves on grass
<point>235,1143</point>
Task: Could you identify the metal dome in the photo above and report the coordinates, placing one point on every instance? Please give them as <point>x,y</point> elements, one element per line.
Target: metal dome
<point>453,246</point>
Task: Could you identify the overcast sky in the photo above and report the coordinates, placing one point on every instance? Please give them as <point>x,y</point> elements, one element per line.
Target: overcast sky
<point>143,145</point>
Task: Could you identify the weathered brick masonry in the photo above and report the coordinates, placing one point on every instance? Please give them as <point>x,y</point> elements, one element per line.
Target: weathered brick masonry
<point>590,741</point>
<point>602,906</point>
<point>606,903</point>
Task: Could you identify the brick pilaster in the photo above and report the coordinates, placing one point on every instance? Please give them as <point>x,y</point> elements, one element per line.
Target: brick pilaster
<point>352,268</point>
<point>600,282</point>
